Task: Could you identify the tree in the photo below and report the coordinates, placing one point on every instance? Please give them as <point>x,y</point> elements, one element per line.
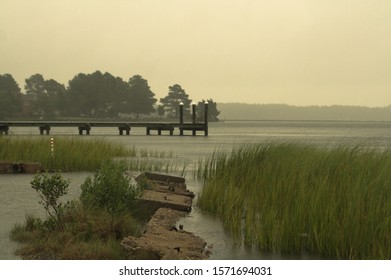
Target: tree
<point>35,87</point>
<point>9,95</point>
<point>97,94</point>
<point>212,110</point>
<point>171,102</point>
<point>141,98</point>
<point>56,97</point>
<point>48,95</point>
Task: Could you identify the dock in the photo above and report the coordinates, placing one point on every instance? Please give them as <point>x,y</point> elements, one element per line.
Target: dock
<point>85,127</point>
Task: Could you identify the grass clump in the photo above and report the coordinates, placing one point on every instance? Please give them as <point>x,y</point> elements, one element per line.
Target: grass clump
<point>91,228</point>
<point>292,198</point>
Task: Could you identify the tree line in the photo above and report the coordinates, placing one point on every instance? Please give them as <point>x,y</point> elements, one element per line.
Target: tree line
<point>95,95</point>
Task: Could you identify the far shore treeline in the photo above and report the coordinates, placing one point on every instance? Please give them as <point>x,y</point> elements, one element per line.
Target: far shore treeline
<point>95,95</point>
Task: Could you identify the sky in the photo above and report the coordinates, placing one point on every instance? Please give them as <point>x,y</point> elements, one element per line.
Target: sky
<point>296,52</point>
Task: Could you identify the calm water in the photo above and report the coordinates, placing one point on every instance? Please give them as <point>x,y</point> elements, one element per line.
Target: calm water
<point>18,198</point>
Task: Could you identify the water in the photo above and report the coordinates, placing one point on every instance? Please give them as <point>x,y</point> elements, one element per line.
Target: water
<point>18,198</point>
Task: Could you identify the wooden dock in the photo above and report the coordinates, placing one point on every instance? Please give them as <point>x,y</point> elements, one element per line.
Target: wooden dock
<point>123,127</point>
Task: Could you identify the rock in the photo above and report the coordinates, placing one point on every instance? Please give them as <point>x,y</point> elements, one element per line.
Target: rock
<point>168,196</point>
<point>160,242</point>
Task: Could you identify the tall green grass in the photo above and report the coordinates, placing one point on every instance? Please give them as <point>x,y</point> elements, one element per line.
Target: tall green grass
<point>70,153</point>
<point>80,154</point>
<point>292,198</point>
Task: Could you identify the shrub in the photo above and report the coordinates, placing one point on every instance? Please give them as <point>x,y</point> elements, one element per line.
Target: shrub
<point>50,189</point>
<point>110,189</point>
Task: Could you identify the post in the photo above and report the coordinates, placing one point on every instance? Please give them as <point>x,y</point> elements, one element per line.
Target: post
<point>52,146</point>
<point>180,117</point>
<point>194,114</point>
<point>45,127</point>
<point>206,119</point>
<point>4,129</point>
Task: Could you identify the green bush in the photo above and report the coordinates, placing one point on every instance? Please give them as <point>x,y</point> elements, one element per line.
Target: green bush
<point>50,189</point>
<point>110,189</point>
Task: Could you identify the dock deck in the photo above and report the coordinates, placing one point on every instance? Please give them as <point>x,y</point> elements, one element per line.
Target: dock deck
<point>123,127</point>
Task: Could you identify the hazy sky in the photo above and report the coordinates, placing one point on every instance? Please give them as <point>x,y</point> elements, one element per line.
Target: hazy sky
<point>298,52</point>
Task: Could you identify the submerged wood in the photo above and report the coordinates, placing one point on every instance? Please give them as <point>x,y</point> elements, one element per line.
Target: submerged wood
<point>162,239</point>
<point>20,167</point>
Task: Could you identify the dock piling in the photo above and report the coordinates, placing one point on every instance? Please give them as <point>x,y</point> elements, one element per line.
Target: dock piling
<point>194,114</point>
<point>44,127</point>
<point>181,117</point>
<point>206,118</point>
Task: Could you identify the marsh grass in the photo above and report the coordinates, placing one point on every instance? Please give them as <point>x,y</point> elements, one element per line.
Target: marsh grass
<point>70,153</point>
<point>293,197</point>
<point>80,154</point>
<point>155,153</point>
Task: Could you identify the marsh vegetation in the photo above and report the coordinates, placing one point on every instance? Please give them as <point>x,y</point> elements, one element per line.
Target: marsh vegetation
<point>332,202</point>
<point>91,227</point>
<point>77,154</point>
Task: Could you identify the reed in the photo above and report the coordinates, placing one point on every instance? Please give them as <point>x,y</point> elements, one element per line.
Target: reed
<point>292,197</point>
<point>70,153</point>
<point>78,154</point>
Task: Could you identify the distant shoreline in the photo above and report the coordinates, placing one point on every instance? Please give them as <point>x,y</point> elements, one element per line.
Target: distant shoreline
<point>282,120</point>
<point>283,112</point>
